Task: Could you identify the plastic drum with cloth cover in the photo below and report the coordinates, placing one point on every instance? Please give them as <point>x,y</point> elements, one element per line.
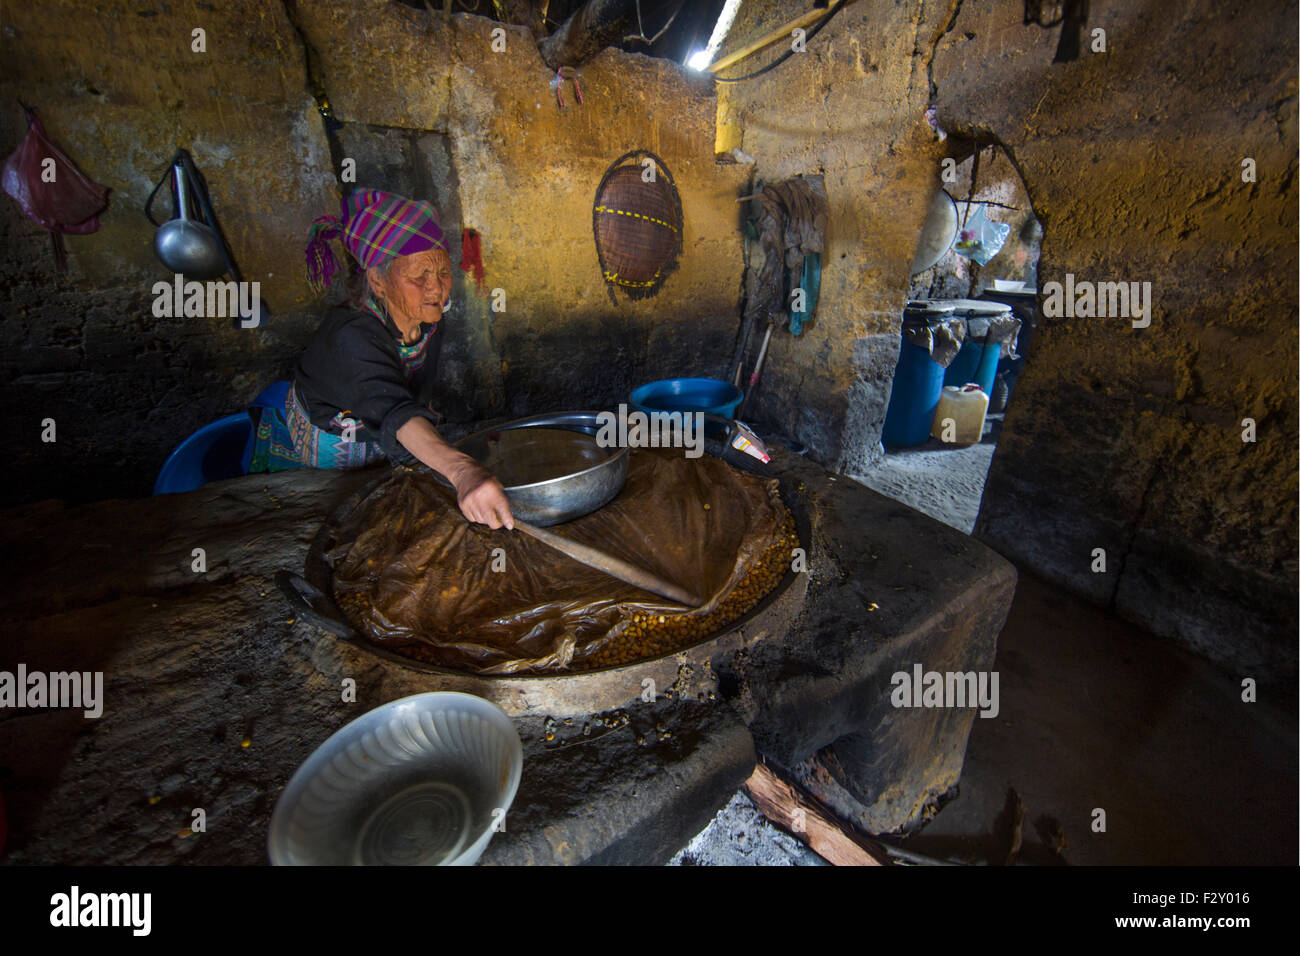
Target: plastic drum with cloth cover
<point>986,332</point>
<point>932,336</point>
<point>1024,306</point>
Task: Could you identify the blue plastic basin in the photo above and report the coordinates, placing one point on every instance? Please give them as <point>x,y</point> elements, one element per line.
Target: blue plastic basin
<point>214,452</point>
<point>709,395</point>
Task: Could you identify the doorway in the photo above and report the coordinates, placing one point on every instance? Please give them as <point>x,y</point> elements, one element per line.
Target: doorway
<point>996,223</point>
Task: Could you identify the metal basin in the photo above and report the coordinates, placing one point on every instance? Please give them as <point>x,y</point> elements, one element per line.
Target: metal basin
<point>418,781</point>
<point>551,466</point>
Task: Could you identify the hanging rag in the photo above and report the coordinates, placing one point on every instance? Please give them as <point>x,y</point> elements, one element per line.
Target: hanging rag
<point>51,190</point>
<point>1005,331</point>
<point>791,226</point>
<point>940,335</point>
<point>471,256</point>
<point>374,226</point>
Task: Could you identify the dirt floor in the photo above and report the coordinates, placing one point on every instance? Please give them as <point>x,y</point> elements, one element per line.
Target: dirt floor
<point>1095,714</point>
<point>940,480</point>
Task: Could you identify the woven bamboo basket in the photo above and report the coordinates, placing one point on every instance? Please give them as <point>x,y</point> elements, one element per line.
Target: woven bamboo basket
<point>638,225</point>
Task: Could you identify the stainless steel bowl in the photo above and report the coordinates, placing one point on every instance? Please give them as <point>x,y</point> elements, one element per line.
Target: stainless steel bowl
<point>419,781</point>
<point>551,466</point>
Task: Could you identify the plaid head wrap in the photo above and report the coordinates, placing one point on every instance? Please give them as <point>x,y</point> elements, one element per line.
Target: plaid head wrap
<point>375,226</point>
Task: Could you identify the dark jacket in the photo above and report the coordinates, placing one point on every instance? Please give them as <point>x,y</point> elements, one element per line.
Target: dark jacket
<point>352,365</point>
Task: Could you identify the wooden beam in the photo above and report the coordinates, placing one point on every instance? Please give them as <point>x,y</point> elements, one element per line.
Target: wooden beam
<point>808,821</point>
<point>780,33</point>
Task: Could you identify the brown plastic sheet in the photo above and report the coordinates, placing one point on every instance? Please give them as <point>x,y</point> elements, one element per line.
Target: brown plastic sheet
<point>420,580</point>
<point>941,337</point>
<point>1005,330</point>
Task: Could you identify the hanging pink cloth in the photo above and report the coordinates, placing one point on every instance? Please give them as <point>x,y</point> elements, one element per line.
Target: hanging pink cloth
<point>51,190</point>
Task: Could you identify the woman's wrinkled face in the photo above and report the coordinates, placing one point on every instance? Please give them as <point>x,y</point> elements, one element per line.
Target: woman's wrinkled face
<point>416,287</point>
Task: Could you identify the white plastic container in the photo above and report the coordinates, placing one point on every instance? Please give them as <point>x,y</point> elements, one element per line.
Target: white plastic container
<point>959,419</point>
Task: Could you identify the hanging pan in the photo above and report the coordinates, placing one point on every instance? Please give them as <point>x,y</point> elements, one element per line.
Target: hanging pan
<point>938,233</point>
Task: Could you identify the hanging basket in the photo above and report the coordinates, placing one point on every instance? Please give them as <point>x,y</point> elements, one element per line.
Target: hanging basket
<point>638,226</point>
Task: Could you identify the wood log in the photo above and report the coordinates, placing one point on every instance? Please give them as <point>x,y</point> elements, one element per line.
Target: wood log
<point>594,26</point>
<point>808,821</point>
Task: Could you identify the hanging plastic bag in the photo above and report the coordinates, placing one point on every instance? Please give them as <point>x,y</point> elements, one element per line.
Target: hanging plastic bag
<point>50,189</point>
<point>981,239</point>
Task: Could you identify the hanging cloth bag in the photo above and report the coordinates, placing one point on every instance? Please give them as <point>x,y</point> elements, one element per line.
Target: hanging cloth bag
<point>51,190</point>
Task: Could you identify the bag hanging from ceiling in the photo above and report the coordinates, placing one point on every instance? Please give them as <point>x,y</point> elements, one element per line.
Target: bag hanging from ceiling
<point>51,190</point>
<point>637,220</point>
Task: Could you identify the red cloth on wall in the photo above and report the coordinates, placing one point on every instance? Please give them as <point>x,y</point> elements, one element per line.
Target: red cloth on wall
<point>471,255</point>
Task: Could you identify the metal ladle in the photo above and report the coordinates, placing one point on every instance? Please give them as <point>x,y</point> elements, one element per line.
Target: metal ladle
<point>188,245</point>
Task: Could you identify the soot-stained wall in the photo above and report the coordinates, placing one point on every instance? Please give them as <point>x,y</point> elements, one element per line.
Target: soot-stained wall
<point>1130,440</point>
<point>423,104</point>
<point>1120,439</point>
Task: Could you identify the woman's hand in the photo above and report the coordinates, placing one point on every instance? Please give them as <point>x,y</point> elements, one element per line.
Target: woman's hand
<point>482,498</point>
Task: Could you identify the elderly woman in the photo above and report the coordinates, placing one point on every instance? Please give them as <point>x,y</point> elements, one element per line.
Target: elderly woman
<point>362,389</point>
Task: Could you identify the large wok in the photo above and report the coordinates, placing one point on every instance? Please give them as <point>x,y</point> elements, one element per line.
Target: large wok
<point>311,594</point>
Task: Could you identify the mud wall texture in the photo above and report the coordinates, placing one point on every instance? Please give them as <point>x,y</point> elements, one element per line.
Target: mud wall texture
<point>1120,439</point>
<point>424,106</point>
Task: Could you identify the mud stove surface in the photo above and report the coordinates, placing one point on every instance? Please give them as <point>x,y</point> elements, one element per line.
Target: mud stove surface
<point>214,693</point>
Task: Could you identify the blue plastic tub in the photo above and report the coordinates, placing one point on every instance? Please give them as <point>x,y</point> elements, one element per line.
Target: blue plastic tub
<point>214,452</point>
<point>918,383</point>
<point>709,395</point>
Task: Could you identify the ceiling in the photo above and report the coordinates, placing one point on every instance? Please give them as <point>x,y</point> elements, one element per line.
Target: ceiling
<point>677,27</point>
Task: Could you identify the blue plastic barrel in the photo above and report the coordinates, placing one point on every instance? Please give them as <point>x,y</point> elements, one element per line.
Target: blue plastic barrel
<point>918,381</point>
<point>988,367</point>
<point>966,366</point>
<point>975,362</point>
